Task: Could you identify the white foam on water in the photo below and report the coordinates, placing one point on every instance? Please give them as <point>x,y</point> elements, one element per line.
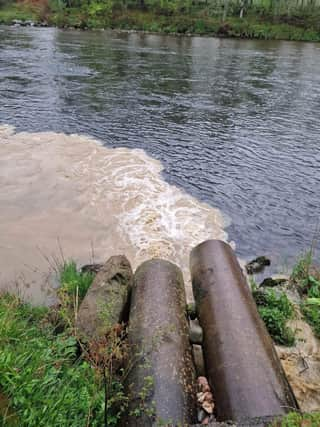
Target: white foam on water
<point>70,192</point>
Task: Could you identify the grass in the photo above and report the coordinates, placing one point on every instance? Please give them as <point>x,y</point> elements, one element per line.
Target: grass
<point>295,419</point>
<point>307,280</point>
<point>101,15</point>
<point>47,384</point>
<point>73,282</point>
<point>50,379</point>
<point>311,311</point>
<point>18,11</point>
<point>275,310</point>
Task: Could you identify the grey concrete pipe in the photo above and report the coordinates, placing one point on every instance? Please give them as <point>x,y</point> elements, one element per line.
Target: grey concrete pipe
<point>161,382</point>
<point>241,362</point>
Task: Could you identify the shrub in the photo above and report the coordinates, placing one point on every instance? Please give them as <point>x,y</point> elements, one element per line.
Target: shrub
<point>311,311</point>
<point>296,419</point>
<point>275,310</point>
<point>309,287</point>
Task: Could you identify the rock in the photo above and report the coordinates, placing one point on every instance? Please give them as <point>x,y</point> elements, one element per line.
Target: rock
<point>205,401</point>
<point>260,296</point>
<point>91,268</point>
<point>198,360</point>
<point>208,397</point>
<point>195,332</point>
<point>208,407</point>
<point>271,282</point>
<point>191,311</point>
<point>201,415</point>
<point>203,384</point>
<point>200,397</point>
<point>17,22</point>
<point>257,265</point>
<point>106,301</point>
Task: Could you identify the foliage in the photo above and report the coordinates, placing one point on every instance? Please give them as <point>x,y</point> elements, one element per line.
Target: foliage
<point>41,374</point>
<point>311,311</point>
<point>9,12</point>
<point>73,281</point>
<point>53,379</point>
<point>73,288</point>
<point>296,419</point>
<point>307,280</point>
<point>275,310</point>
<point>261,19</point>
<point>300,272</point>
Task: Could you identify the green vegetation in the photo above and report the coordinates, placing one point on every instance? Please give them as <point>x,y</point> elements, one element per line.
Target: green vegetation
<point>45,381</point>
<point>261,19</point>
<point>311,311</point>
<point>49,378</point>
<point>17,11</point>
<point>307,280</point>
<point>275,310</point>
<point>74,282</point>
<point>295,419</point>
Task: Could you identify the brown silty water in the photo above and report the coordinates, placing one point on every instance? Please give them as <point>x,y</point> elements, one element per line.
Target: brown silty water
<point>65,197</point>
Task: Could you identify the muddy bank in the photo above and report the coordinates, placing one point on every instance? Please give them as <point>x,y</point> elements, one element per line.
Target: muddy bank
<point>68,196</point>
<point>302,366</point>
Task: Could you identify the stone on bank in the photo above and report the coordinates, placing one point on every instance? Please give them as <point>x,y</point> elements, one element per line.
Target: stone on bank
<point>107,300</point>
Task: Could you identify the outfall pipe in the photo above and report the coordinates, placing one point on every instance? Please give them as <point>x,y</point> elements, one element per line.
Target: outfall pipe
<point>160,384</point>
<point>242,366</point>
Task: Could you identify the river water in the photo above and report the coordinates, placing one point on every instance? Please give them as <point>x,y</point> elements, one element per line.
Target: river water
<point>234,124</point>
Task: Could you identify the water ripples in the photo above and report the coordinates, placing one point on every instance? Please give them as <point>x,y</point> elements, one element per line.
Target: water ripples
<point>235,123</point>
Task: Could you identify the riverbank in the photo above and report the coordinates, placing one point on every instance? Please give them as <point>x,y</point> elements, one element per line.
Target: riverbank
<point>252,26</point>
<point>50,377</point>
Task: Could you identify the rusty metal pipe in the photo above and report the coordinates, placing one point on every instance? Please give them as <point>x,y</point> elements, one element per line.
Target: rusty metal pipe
<point>242,365</point>
<point>161,382</point>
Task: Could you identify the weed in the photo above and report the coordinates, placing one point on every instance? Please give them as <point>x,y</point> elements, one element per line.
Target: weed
<point>300,272</point>
<point>74,281</point>
<point>296,419</point>
<point>275,310</point>
<point>44,380</point>
<point>45,377</point>
<point>310,308</point>
<point>73,288</point>
<point>307,280</point>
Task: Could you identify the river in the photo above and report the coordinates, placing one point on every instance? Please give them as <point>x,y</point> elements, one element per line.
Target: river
<point>234,123</point>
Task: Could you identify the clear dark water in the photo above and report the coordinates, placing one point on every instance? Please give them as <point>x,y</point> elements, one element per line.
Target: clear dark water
<point>235,123</point>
